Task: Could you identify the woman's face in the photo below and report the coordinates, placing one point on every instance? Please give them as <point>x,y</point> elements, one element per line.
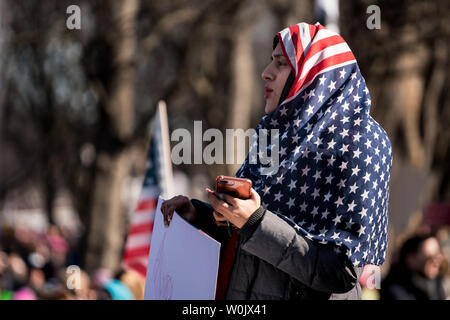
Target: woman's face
<point>431,258</point>
<point>275,76</point>
<point>428,258</point>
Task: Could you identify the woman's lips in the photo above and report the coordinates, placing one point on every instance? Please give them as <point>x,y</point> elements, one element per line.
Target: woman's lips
<point>268,91</point>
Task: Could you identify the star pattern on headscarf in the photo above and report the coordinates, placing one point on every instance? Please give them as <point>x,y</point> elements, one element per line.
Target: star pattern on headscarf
<point>332,183</point>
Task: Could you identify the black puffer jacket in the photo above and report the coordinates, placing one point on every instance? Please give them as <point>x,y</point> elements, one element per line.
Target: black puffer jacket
<point>274,262</point>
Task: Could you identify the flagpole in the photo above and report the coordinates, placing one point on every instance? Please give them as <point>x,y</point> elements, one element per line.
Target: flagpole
<point>167,163</point>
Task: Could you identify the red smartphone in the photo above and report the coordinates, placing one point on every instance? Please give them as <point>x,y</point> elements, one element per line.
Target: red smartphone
<point>236,187</point>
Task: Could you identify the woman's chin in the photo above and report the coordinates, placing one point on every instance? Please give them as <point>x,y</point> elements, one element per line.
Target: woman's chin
<point>268,108</point>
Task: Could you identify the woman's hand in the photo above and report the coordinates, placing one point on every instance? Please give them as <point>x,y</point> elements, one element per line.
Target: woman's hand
<point>235,210</point>
<point>182,205</point>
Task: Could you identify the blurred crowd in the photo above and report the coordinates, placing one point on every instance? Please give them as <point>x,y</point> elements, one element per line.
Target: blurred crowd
<point>44,266</point>
<point>417,270</point>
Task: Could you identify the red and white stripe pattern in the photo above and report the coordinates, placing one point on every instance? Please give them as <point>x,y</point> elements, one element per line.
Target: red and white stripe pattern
<point>312,50</point>
<point>137,247</point>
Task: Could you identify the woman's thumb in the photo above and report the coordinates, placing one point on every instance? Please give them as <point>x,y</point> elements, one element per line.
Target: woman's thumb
<point>254,194</point>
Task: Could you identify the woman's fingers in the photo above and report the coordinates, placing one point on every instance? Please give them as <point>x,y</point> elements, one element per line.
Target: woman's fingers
<point>164,210</point>
<point>219,219</point>
<point>181,205</point>
<point>218,216</point>
<point>222,209</point>
<point>230,200</point>
<point>254,195</point>
<point>169,207</point>
<point>220,206</point>
<point>168,215</point>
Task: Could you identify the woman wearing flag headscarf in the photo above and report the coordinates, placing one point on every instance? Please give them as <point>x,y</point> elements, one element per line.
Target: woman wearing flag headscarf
<point>314,222</point>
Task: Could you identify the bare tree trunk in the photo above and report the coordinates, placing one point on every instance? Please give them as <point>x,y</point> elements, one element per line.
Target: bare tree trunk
<point>106,230</point>
<point>3,39</point>
<point>404,90</point>
<point>242,90</point>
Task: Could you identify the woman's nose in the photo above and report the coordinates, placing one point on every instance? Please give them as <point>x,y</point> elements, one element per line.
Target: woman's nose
<point>266,74</point>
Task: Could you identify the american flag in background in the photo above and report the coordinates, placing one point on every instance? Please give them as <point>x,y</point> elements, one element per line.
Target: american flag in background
<point>157,182</point>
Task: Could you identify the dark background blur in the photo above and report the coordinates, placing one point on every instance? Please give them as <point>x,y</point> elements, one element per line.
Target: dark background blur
<point>75,105</point>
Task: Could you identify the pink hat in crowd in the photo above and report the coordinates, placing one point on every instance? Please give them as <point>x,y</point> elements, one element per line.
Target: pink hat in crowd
<point>24,294</point>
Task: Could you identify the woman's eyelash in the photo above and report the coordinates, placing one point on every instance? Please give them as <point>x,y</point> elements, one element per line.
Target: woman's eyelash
<point>278,62</point>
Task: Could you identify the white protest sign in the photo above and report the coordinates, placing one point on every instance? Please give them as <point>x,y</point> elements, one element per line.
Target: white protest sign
<point>183,262</point>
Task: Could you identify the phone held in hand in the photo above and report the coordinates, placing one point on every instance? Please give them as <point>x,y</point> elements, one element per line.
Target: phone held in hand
<point>235,187</point>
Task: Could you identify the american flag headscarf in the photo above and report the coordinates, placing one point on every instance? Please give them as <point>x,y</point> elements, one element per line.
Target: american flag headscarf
<point>332,183</point>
